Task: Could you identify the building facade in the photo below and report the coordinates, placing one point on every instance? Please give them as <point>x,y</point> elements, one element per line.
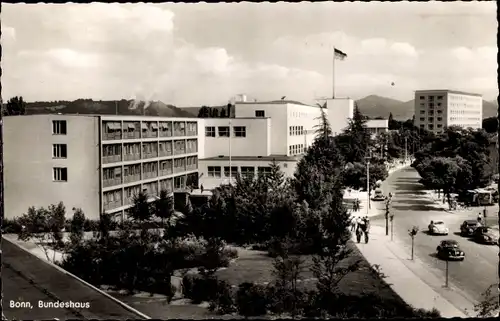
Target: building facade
<point>437,109</point>
<point>96,163</point>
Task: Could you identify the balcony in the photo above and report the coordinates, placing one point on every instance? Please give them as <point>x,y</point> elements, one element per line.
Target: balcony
<point>147,175</point>
<point>192,167</point>
<point>191,133</point>
<point>167,152</point>
<point>112,205</point>
<point>166,172</point>
<point>149,133</point>
<point>149,155</point>
<point>179,169</point>
<point>131,178</point>
<point>128,201</point>
<point>179,151</point>
<point>111,159</point>
<point>111,182</point>
<point>131,135</point>
<point>131,157</point>
<point>113,135</point>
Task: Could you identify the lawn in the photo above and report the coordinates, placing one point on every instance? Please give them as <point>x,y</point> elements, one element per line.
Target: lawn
<point>256,266</point>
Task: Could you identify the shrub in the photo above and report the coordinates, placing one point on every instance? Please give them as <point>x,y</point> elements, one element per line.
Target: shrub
<point>188,284</point>
<point>198,288</point>
<point>91,225</point>
<point>251,299</point>
<point>224,301</point>
<point>11,226</point>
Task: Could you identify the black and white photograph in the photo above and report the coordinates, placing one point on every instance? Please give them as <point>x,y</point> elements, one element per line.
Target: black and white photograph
<point>293,160</point>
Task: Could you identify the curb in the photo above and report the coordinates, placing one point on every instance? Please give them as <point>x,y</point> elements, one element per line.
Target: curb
<point>60,269</point>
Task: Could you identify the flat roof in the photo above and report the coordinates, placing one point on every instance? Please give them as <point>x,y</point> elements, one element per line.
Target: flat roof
<point>449,91</point>
<point>270,158</point>
<point>274,102</point>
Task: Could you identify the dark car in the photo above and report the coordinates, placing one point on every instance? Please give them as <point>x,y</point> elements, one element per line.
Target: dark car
<point>468,227</point>
<point>450,250</point>
<point>484,236</point>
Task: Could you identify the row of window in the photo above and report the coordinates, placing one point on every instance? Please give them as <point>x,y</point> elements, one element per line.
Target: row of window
<point>430,105</point>
<point>431,119</point>
<point>296,149</point>
<point>465,118</point>
<point>430,112</point>
<point>59,127</point>
<point>131,173</point>
<point>60,174</point>
<point>431,97</point>
<point>296,130</point>
<point>135,130</point>
<point>473,112</point>
<point>133,151</point>
<point>464,105</point>
<point>298,114</point>
<point>224,131</point>
<point>246,171</point>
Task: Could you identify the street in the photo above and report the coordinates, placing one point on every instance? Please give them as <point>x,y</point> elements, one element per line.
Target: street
<point>412,207</point>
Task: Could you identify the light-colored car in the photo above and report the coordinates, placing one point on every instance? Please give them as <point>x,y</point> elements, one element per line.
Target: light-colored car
<point>438,228</point>
<point>379,196</point>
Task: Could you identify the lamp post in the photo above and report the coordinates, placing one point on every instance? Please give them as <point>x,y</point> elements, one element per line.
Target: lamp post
<point>387,214</point>
<point>392,226</point>
<point>368,181</point>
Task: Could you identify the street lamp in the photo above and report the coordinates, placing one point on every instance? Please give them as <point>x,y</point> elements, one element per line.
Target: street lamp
<point>368,181</point>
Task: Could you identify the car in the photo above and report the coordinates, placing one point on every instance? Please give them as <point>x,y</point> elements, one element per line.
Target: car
<point>468,227</point>
<point>379,196</point>
<point>438,228</point>
<point>483,235</point>
<point>450,250</point>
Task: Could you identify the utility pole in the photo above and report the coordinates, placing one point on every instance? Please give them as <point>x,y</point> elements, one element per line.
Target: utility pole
<point>447,273</point>
<point>368,184</point>
<point>230,160</point>
<point>392,226</point>
<point>406,148</point>
<point>1,162</point>
<point>387,213</point>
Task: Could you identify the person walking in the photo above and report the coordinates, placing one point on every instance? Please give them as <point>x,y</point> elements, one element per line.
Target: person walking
<point>353,224</point>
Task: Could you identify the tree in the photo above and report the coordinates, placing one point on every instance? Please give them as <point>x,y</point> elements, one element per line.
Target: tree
<point>320,167</point>
<point>141,210</point>
<point>355,141</point>
<point>214,113</point>
<point>45,227</point>
<point>489,306</point>
<point>164,207</point>
<point>77,224</point>
<point>223,113</point>
<point>329,265</point>
<point>15,106</point>
<point>204,112</point>
<point>355,175</point>
<point>490,125</point>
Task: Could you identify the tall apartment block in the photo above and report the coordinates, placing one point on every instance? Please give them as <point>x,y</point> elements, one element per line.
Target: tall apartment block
<point>96,163</point>
<point>437,109</point>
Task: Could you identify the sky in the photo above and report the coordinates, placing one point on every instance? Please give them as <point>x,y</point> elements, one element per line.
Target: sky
<point>205,54</point>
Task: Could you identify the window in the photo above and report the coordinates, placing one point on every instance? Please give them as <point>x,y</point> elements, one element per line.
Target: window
<point>431,119</point>
<point>240,131</point>
<point>422,118</point>
<point>431,127</point>
<point>439,104</point>
<point>422,126</point>
<point>422,112</point>
<point>440,125</point>
<point>60,174</point>
<point>431,98</point>
<point>440,111</point>
<point>214,171</point>
<point>59,151</point>
<point>440,118</point>
<point>234,171</point>
<point>431,105</point>
<point>422,97</point>
<point>247,171</point>
<point>440,98</point>
<point>260,113</point>
<point>210,131</point>
<point>59,127</point>
<point>223,131</point>
<point>264,170</point>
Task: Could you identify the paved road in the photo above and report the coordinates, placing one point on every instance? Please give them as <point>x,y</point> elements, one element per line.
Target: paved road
<point>27,279</point>
<point>412,207</point>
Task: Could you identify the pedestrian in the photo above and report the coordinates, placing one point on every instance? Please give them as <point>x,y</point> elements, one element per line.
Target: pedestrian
<point>479,217</point>
<point>485,212</point>
<point>353,224</point>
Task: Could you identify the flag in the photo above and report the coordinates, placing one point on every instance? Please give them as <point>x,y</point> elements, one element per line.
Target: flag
<point>339,54</point>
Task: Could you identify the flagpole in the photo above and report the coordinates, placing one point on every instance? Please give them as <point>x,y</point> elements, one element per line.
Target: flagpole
<point>230,160</point>
<point>333,74</point>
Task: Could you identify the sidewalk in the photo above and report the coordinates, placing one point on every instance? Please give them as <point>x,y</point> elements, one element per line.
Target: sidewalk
<point>406,277</point>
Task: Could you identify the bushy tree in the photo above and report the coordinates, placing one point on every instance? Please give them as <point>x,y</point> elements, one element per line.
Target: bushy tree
<point>45,226</point>
<point>164,207</point>
<point>77,225</point>
<point>355,174</point>
<point>15,106</point>
<point>141,210</point>
<point>320,167</point>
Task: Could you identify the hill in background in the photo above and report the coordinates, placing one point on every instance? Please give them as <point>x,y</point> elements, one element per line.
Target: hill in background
<point>120,107</point>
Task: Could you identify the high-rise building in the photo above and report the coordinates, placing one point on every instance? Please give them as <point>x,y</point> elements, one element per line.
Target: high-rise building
<point>437,109</point>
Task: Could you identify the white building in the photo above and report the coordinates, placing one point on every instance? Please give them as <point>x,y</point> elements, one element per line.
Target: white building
<point>98,163</point>
<point>260,133</point>
<point>377,126</point>
<point>437,109</point>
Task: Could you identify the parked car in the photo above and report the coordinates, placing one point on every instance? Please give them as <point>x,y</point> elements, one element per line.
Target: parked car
<point>483,235</point>
<point>468,227</point>
<point>438,228</point>
<point>450,250</point>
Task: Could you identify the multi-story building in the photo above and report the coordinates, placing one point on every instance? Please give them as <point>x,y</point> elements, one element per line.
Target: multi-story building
<point>377,126</point>
<point>437,109</point>
<point>96,163</point>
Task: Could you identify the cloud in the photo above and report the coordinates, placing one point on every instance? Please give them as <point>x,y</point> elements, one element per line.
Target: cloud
<point>114,51</point>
